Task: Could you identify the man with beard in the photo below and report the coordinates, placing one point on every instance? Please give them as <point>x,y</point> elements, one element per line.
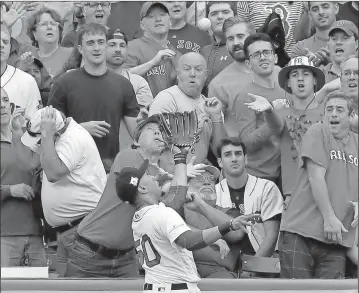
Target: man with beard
<point>254,128</point>
<point>116,55</point>
<point>103,98</point>
<point>184,36</point>
<point>231,80</point>
<point>323,15</point>
<point>220,259</point>
<point>343,42</point>
<point>302,81</point>
<point>240,193</point>
<point>216,55</point>
<point>186,96</point>
<point>151,54</point>
<point>320,222</point>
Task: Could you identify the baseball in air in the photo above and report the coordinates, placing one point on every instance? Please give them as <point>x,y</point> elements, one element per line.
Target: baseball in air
<point>204,24</point>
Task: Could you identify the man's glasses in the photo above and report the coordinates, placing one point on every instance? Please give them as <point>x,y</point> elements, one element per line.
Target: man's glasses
<point>45,24</point>
<point>210,178</point>
<point>265,53</point>
<point>96,4</point>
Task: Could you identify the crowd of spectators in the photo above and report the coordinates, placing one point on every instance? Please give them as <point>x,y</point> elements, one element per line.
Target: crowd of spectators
<point>80,90</point>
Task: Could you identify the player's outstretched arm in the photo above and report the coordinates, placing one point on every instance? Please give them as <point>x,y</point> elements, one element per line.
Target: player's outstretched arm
<point>197,240</point>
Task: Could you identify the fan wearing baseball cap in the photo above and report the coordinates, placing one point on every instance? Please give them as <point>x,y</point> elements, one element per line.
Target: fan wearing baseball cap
<point>343,42</point>
<point>302,81</point>
<point>116,56</point>
<point>152,55</point>
<point>73,174</point>
<point>163,240</point>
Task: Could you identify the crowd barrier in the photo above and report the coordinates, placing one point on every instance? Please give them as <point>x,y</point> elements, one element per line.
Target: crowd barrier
<point>206,285</point>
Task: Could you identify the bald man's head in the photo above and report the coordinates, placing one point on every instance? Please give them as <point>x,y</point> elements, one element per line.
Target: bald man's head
<point>192,57</point>
<point>191,74</point>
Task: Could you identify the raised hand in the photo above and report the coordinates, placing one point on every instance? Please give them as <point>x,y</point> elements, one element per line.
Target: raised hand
<point>194,170</point>
<point>260,104</point>
<point>17,120</point>
<point>48,122</point>
<point>17,10</point>
<point>213,106</point>
<point>162,55</point>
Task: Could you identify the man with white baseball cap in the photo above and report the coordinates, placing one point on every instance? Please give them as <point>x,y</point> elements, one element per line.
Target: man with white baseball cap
<point>73,174</point>
<point>301,109</point>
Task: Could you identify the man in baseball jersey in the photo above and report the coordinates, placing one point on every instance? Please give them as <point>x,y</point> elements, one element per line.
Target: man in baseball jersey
<point>151,54</point>
<point>163,240</point>
<point>317,226</point>
<point>240,193</point>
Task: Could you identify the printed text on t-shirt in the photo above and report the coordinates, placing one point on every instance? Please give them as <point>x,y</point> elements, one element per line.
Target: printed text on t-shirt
<point>340,155</point>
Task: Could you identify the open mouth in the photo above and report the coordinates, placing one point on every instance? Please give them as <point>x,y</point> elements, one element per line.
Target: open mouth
<point>176,10</point>
<point>264,65</point>
<point>99,16</point>
<point>301,86</point>
<point>339,50</point>
<point>334,123</point>
<point>353,85</point>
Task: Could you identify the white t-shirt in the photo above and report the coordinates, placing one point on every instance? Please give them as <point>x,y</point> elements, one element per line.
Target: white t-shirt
<point>22,90</point>
<point>78,193</point>
<point>155,229</point>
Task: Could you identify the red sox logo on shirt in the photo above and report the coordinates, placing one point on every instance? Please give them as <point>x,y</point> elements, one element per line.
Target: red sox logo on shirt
<point>340,155</point>
<point>157,70</point>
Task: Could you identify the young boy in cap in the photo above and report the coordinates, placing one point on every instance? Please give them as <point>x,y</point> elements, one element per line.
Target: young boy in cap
<point>163,240</point>
<point>301,81</point>
<point>36,69</point>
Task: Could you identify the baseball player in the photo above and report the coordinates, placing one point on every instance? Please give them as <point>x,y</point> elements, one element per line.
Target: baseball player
<point>163,240</point>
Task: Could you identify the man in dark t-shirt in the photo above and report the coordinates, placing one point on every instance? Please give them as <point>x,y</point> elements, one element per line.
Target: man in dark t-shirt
<point>94,96</point>
<point>183,36</point>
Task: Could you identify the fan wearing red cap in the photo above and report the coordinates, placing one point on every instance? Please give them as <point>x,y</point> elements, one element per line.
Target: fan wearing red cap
<point>343,42</point>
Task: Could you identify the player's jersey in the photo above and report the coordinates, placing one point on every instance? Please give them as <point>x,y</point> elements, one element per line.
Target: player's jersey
<point>155,229</point>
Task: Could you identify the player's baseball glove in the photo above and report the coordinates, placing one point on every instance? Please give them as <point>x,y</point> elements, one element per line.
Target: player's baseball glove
<point>180,129</point>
